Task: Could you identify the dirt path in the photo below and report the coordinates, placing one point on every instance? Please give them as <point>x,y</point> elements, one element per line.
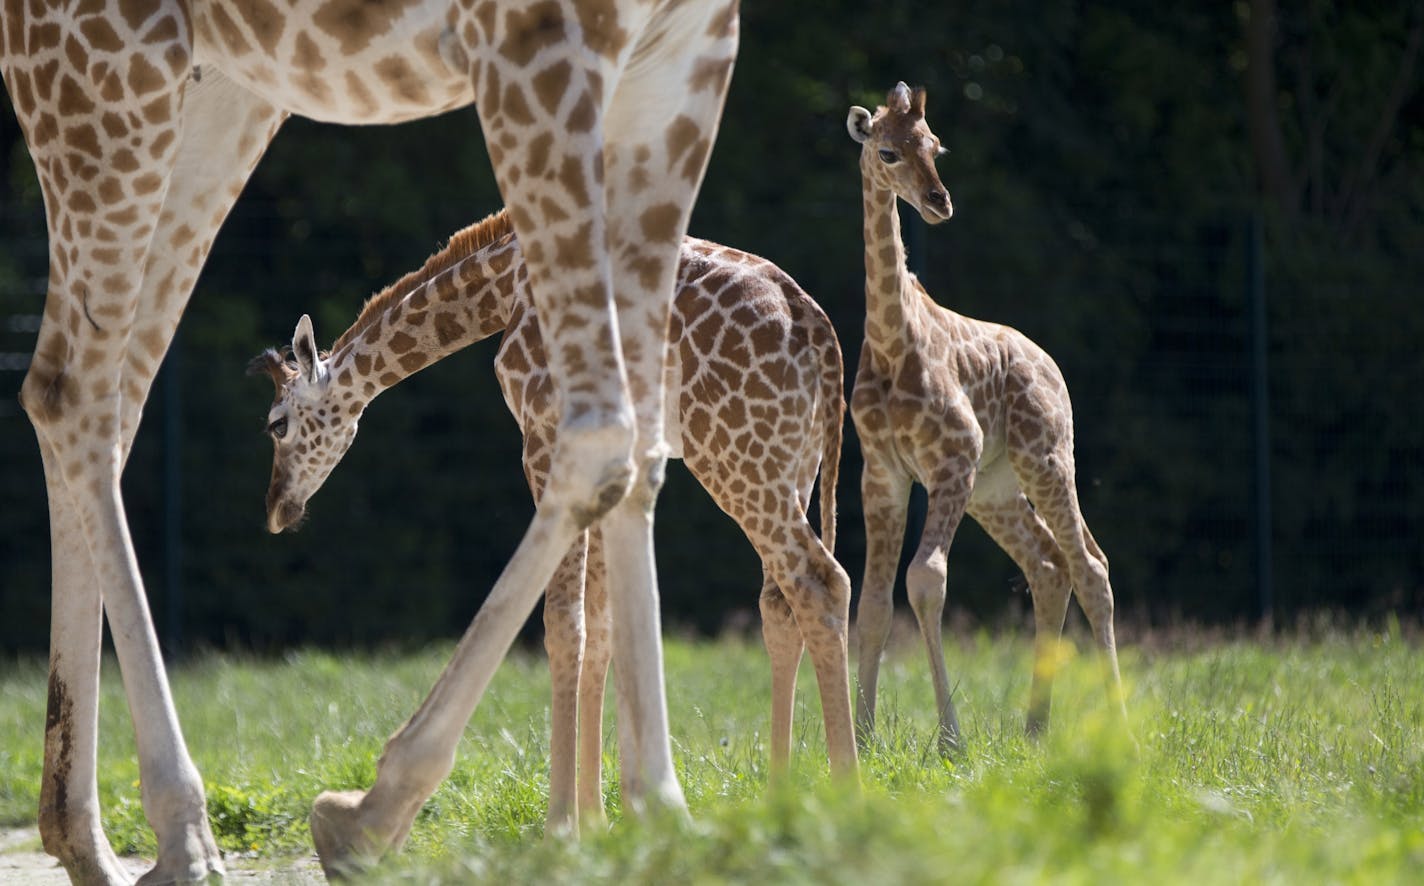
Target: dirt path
<point>22,861</point>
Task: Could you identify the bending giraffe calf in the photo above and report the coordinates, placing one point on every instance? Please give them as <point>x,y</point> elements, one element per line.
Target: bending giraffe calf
<point>755,409</point>
<point>976,413</point>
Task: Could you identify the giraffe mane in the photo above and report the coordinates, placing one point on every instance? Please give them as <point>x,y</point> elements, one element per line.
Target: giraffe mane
<point>462,245</point>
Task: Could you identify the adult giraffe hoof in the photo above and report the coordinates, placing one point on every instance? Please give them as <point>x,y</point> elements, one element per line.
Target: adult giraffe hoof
<point>192,857</point>
<point>343,845</point>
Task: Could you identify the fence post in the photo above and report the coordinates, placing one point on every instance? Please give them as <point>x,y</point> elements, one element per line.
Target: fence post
<point>1260,416</point>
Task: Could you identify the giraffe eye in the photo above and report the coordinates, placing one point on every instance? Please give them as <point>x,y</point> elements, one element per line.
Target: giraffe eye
<point>278,428</point>
<point>889,156</point>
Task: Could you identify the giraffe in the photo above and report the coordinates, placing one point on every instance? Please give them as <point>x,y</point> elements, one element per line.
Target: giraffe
<point>144,118</point>
<point>755,408</point>
<point>976,413</point>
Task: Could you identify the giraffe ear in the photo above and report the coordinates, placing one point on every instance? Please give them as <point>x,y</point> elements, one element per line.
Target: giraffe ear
<point>858,124</point>
<point>898,100</point>
<point>304,349</point>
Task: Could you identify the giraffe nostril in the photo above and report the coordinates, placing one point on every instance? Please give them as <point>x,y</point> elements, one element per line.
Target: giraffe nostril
<point>938,200</point>
<point>292,514</point>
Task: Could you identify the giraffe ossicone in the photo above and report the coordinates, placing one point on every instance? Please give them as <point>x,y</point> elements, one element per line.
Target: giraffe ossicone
<point>144,119</point>
<point>977,414</point>
<point>755,409</point>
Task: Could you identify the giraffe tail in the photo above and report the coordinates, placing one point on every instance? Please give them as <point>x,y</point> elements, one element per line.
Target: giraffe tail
<point>831,401</point>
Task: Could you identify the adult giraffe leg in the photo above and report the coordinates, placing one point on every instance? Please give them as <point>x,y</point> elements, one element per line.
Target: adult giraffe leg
<point>224,132</point>
<point>885,495</point>
<point>555,97</point>
<point>661,122</point>
<point>112,209</point>
<point>69,793</point>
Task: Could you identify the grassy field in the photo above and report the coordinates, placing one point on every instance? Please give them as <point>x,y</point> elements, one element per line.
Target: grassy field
<point>1282,761</point>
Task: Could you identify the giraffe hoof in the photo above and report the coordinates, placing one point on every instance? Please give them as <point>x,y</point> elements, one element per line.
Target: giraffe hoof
<point>951,746</point>
<point>192,857</point>
<point>343,846</point>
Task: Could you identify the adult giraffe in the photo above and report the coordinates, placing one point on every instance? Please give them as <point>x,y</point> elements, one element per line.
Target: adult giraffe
<point>144,119</point>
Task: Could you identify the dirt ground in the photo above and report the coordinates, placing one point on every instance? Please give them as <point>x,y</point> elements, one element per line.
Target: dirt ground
<point>23,863</point>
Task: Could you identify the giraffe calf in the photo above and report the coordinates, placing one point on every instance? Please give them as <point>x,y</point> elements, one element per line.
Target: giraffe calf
<point>754,408</point>
<point>973,411</point>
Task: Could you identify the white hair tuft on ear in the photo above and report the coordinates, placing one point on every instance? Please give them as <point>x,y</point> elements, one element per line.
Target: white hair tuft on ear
<point>858,124</point>
<point>304,349</point>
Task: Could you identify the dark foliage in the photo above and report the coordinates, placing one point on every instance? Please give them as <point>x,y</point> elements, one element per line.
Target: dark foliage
<point>1103,176</point>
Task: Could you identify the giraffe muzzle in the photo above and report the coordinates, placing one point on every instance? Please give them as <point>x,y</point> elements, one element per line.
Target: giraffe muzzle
<point>285,515</point>
<point>938,205</point>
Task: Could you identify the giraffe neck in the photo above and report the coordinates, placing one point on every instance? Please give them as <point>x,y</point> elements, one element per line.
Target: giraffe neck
<point>463,304</point>
<point>890,290</point>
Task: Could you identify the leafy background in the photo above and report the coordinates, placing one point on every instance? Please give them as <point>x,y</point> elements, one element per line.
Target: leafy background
<point>1107,162</point>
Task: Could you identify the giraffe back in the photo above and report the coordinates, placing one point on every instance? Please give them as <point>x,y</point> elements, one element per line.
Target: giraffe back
<point>754,387</point>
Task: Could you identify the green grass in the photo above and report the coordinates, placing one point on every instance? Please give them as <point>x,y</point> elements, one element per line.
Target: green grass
<point>1276,761</point>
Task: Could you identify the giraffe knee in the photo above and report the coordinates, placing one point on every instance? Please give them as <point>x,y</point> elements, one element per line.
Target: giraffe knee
<point>563,632</point>
<point>593,469</point>
<point>838,588</point>
<point>775,611</point>
<point>820,596</point>
<point>42,395</point>
<point>1048,578</point>
<point>1095,592</point>
<point>925,586</point>
<point>648,480</point>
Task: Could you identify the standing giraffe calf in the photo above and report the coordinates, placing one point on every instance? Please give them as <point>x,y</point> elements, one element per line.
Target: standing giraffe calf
<point>755,408</point>
<point>976,413</point>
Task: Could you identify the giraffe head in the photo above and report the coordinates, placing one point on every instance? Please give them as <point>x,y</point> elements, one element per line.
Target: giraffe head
<point>310,425</point>
<point>898,151</point>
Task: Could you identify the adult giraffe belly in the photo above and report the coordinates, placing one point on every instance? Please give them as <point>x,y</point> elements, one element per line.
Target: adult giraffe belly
<point>337,61</point>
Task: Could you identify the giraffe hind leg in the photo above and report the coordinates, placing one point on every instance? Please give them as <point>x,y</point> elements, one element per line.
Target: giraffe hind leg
<point>1051,486</point>
<point>1011,522</point>
<point>784,647</point>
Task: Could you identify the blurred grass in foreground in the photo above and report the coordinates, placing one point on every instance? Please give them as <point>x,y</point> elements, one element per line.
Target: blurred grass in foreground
<point>1250,761</point>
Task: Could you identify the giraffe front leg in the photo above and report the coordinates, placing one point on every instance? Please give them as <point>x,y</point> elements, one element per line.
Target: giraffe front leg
<point>553,98</point>
<point>885,495</point>
<point>224,131</point>
<point>352,829</point>
<point>127,238</point>
<point>925,585</point>
<point>598,654</point>
<point>660,126</point>
<point>564,635</point>
<point>69,812</point>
